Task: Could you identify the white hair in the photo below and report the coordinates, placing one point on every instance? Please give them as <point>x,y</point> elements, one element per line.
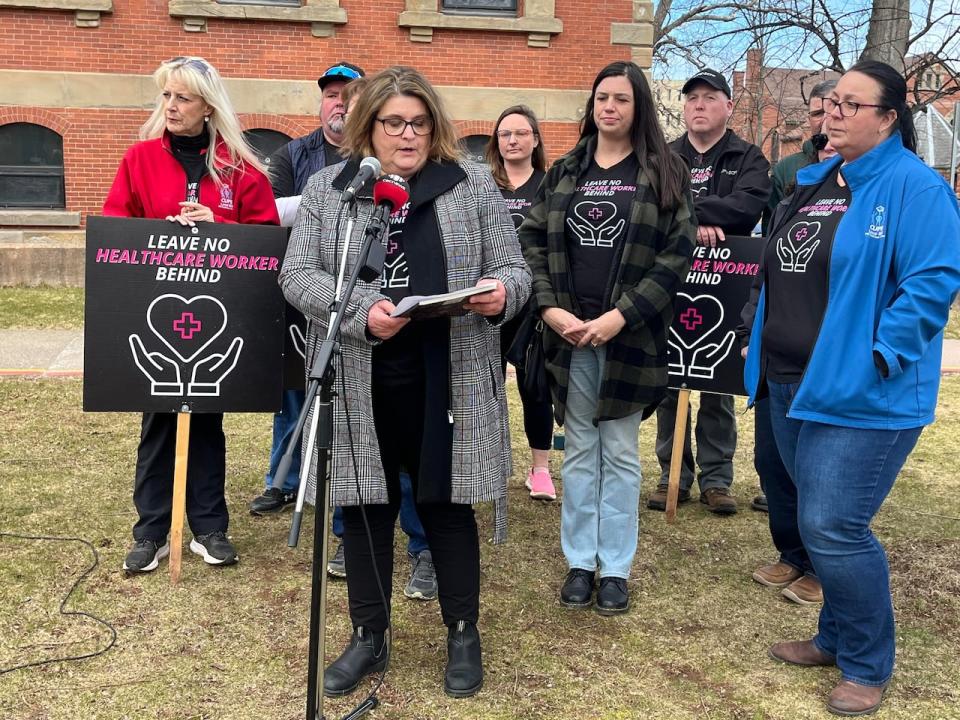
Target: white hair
<point>203,80</point>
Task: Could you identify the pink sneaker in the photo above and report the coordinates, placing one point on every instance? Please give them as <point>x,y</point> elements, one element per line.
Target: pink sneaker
<point>540,484</point>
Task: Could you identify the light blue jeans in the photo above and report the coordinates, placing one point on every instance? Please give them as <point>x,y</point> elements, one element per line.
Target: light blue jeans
<point>601,476</point>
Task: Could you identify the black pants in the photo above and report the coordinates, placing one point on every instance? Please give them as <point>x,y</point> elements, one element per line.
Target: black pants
<point>206,472</point>
<point>537,414</point>
<point>716,441</point>
<point>451,529</point>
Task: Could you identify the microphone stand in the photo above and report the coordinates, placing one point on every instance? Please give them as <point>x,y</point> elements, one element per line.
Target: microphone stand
<point>320,393</point>
<point>282,470</point>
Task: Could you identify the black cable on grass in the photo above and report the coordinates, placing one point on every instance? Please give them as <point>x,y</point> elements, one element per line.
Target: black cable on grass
<point>66,598</point>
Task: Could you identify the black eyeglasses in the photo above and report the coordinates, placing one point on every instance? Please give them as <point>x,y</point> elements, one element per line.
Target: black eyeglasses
<point>395,126</point>
<point>196,63</point>
<point>848,108</point>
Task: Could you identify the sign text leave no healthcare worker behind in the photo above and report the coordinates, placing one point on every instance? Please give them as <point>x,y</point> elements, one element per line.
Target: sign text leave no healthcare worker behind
<point>182,316</point>
<point>702,351</point>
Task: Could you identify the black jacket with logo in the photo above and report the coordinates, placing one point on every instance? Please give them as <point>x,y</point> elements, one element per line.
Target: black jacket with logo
<point>739,189</point>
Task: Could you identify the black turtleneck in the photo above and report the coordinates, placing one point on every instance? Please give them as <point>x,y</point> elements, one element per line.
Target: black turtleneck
<point>191,153</point>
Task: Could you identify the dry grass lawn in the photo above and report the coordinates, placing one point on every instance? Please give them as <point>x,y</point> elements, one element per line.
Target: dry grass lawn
<point>231,644</point>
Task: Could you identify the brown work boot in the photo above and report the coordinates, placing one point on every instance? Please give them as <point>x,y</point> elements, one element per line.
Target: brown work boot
<point>777,574</point>
<point>800,652</point>
<point>719,501</point>
<point>850,698</point>
<point>658,498</point>
<point>805,591</point>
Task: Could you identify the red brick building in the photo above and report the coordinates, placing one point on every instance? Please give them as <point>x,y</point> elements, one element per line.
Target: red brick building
<point>770,103</point>
<point>81,69</point>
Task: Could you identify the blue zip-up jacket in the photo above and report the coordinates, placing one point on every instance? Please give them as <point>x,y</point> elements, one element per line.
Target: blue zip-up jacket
<point>894,270</point>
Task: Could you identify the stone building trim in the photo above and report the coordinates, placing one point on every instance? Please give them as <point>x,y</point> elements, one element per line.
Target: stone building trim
<point>323,15</point>
<point>637,34</point>
<point>86,12</point>
<point>538,21</point>
<point>269,98</point>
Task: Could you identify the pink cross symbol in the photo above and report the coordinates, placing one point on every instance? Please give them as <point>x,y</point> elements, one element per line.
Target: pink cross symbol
<point>187,326</point>
<point>391,247</point>
<point>595,213</point>
<point>801,234</point>
<point>691,318</point>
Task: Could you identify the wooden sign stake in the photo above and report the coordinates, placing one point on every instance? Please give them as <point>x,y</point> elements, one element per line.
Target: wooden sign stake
<point>179,495</point>
<point>676,453</point>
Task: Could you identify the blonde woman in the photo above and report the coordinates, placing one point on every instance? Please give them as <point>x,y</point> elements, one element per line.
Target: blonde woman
<point>423,395</point>
<point>192,165</point>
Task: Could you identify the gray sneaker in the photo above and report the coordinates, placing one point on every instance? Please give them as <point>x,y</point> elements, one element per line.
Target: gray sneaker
<point>337,566</point>
<point>423,579</point>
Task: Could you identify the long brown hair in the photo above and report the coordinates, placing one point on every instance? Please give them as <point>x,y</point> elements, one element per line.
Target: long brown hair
<point>400,80</point>
<point>495,159</point>
<point>669,174</point>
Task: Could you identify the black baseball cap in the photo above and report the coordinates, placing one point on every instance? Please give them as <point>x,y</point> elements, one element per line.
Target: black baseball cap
<point>342,71</point>
<point>711,78</point>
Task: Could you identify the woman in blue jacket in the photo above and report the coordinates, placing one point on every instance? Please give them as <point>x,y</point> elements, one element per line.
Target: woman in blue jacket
<point>859,274</point>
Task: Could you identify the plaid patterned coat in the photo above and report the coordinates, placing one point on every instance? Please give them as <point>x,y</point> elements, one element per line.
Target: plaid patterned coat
<point>479,241</point>
<point>653,262</point>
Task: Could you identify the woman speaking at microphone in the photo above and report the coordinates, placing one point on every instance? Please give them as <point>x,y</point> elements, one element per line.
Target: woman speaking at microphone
<point>192,165</point>
<point>423,395</point>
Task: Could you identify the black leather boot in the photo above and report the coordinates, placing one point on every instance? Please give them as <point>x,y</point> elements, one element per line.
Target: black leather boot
<point>464,676</point>
<point>366,654</point>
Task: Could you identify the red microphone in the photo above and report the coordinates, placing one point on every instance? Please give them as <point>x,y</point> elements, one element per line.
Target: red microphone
<point>391,192</point>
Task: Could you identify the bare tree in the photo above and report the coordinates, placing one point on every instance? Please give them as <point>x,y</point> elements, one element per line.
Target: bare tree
<point>823,34</point>
<point>889,33</point>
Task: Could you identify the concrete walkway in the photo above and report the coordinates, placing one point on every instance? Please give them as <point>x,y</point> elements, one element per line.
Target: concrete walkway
<point>59,353</point>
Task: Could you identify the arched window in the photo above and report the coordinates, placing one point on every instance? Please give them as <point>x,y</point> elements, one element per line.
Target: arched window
<point>265,142</point>
<point>31,167</point>
<point>474,147</point>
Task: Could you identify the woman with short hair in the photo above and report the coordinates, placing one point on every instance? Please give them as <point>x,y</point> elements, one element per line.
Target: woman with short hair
<point>421,395</point>
<point>192,165</point>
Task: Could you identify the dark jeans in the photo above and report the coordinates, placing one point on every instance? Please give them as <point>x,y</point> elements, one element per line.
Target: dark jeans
<point>537,415</point>
<point>842,476</point>
<point>451,529</point>
<point>206,469</point>
<point>716,441</point>
<point>780,490</point>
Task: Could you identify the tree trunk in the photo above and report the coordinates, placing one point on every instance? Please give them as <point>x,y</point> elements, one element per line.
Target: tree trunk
<point>888,33</point>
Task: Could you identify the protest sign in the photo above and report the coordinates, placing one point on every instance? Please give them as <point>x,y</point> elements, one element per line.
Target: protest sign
<point>703,353</point>
<point>182,318</point>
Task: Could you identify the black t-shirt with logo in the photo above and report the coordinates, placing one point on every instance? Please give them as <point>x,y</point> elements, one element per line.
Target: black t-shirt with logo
<point>797,259</point>
<point>520,200</point>
<point>702,168</point>
<point>597,220</point>
<point>191,153</point>
<point>397,360</point>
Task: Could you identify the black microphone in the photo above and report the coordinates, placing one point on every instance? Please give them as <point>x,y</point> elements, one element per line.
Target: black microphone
<point>389,194</point>
<point>369,167</point>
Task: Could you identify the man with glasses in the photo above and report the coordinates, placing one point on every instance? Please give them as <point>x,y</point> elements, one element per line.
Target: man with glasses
<point>784,174</point>
<point>290,169</point>
<point>730,185</point>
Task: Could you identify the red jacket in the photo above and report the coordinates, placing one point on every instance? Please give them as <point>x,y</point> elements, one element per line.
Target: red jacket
<point>151,183</point>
